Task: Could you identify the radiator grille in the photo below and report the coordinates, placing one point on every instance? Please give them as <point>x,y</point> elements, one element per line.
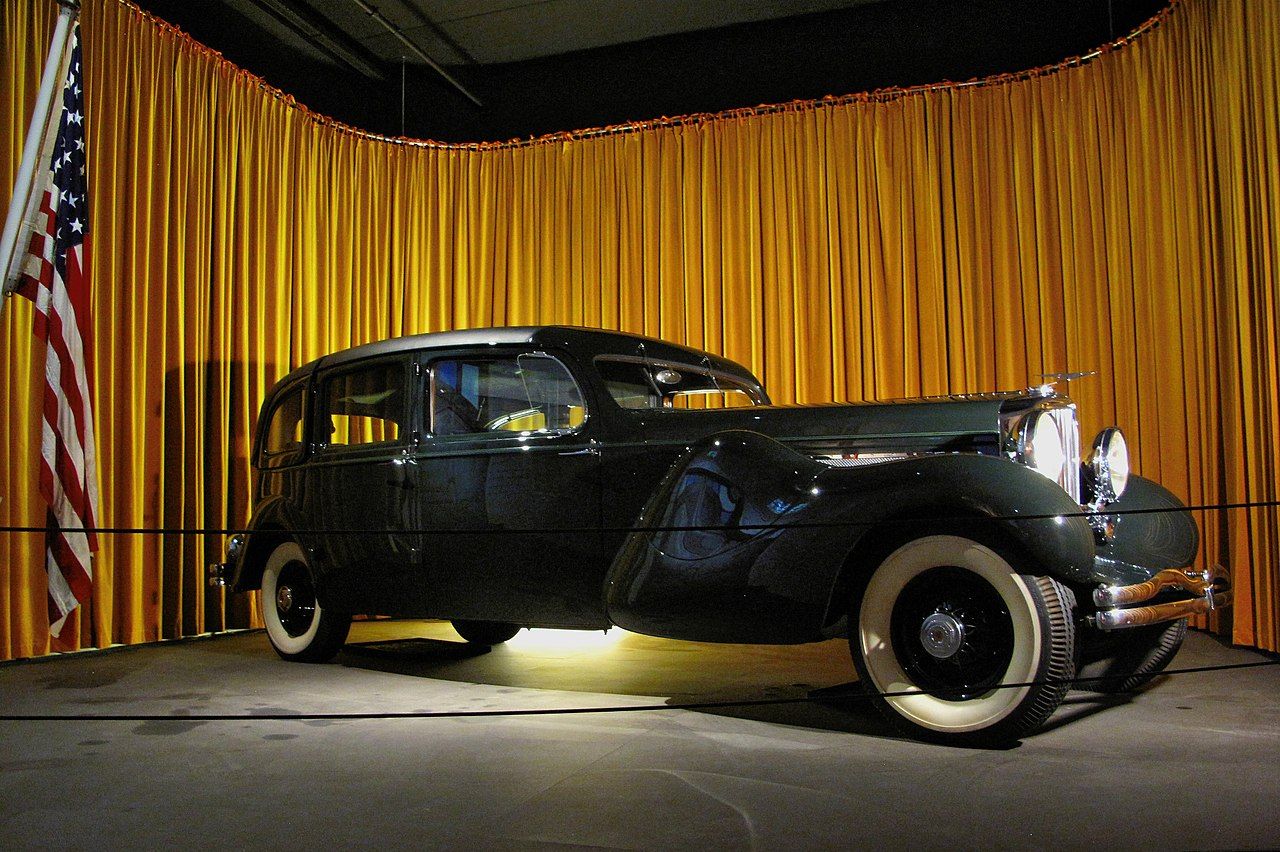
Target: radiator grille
<point>1069,428</point>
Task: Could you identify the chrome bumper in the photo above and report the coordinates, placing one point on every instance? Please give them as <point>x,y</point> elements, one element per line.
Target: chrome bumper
<point>1116,604</point>
<point>222,573</point>
<point>218,574</point>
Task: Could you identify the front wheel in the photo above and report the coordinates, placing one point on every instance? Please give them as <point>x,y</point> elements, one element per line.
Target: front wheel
<point>299,628</point>
<point>953,644</point>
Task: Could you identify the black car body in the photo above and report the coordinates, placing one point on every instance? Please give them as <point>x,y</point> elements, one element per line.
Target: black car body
<point>569,477</point>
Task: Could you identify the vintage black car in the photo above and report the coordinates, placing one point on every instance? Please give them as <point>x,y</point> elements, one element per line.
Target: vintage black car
<point>577,478</point>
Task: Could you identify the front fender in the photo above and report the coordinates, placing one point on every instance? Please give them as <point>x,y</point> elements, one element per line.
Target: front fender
<point>1151,531</point>
<point>746,540</point>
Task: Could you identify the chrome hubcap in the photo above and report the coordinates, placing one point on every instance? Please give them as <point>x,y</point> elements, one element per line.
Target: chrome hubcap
<point>284,598</point>
<point>941,635</point>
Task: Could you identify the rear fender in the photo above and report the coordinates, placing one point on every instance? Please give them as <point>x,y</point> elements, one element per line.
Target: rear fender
<point>271,525</point>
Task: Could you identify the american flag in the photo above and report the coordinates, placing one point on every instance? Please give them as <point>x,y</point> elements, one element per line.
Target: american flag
<point>55,278</point>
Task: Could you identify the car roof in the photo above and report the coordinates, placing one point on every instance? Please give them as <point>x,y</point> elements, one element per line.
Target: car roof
<point>584,343</point>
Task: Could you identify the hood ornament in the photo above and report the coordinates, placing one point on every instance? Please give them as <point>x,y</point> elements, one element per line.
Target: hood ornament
<point>1066,378</point>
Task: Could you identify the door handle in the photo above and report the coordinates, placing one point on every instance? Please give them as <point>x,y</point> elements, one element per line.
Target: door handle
<point>588,451</point>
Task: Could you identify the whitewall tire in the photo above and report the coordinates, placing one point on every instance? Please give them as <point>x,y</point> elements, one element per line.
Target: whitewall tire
<point>944,624</point>
<point>298,626</point>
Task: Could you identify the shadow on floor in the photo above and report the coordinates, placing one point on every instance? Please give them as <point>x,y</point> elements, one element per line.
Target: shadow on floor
<point>840,708</point>
<point>404,656</point>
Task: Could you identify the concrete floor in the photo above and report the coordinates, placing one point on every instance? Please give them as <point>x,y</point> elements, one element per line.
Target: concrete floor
<point>1191,762</point>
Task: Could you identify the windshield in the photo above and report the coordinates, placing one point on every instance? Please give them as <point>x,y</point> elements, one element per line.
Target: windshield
<point>651,386</point>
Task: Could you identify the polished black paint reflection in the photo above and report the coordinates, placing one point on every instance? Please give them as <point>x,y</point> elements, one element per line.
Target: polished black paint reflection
<point>711,525</point>
<point>774,582</point>
<point>1150,533</point>
<point>531,553</point>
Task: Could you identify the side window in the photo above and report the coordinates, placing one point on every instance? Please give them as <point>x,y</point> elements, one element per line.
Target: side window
<point>663,386</point>
<point>629,384</point>
<point>364,406</point>
<point>282,442</point>
<point>497,396</point>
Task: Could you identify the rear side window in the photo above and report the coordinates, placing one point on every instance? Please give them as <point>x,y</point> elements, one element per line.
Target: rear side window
<point>498,396</point>
<point>364,406</point>
<point>282,442</point>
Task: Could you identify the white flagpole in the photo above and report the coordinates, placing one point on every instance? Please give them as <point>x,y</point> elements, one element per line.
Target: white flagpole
<point>36,149</point>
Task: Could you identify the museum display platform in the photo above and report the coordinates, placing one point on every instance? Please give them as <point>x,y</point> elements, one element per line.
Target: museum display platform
<point>1189,762</point>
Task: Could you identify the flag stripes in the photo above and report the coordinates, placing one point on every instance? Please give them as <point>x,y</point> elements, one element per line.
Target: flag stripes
<point>54,278</point>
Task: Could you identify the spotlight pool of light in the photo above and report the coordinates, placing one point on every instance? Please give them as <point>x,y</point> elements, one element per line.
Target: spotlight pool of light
<point>540,639</point>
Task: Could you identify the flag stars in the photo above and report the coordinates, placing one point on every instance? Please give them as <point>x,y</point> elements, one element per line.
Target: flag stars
<point>75,117</point>
<point>77,226</point>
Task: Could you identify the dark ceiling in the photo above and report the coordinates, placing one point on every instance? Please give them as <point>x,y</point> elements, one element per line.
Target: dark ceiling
<point>472,70</point>
<point>468,32</point>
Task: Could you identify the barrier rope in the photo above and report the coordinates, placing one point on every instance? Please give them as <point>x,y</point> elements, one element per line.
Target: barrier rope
<point>632,528</point>
<point>859,695</point>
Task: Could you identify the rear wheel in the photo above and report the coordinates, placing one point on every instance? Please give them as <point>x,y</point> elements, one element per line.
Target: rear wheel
<point>944,624</point>
<point>298,626</point>
<point>1124,660</point>
<point>485,632</point>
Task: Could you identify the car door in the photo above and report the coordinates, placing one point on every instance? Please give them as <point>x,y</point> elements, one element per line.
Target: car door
<point>359,490</point>
<point>508,482</point>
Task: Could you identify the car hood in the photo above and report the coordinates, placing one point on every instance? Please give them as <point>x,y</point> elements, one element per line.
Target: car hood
<point>953,423</point>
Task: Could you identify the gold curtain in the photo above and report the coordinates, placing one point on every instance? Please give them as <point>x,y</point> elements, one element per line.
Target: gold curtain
<point>1119,214</point>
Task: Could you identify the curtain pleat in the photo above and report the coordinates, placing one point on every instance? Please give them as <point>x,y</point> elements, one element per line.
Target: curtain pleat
<point>1120,214</point>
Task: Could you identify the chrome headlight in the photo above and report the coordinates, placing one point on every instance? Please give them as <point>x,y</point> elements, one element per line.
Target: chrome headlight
<point>1109,465</point>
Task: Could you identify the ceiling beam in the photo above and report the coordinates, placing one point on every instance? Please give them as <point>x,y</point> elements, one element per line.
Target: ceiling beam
<point>322,34</point>
<point>399,34</point>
